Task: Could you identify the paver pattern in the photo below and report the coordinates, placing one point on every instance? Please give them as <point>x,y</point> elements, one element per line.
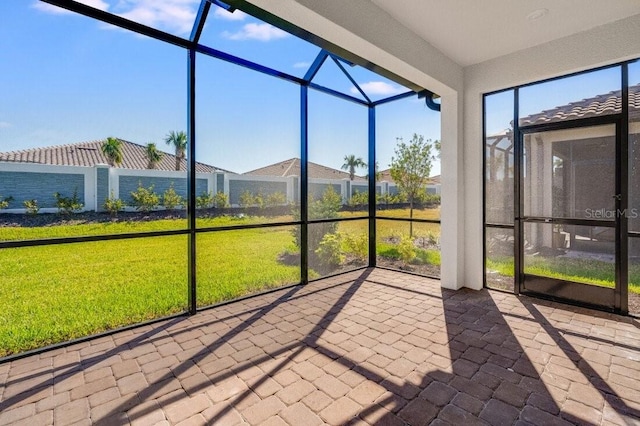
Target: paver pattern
<point>371,347</point>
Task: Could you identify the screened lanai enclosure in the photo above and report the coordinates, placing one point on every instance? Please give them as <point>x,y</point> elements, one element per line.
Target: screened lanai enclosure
<point>159,167</point>
<point>561,188</point>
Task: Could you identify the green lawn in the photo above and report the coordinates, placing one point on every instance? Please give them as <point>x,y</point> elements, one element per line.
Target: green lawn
<point>592,272</point>
<point>123,227</point>
<point>432,214</point>
<point>59,292</point>
<point>55,293</point>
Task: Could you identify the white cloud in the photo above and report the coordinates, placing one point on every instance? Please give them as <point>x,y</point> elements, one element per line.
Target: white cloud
<point>175,16</point>
<point>377,88</point>
<point>237,15</point>
<point>49,8</point>
<point>171,15</point>
<point>260,32</point>
<point>4,124</point>
<point>302,65</point>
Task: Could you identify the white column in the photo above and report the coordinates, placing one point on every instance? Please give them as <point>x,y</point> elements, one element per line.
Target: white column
<point>225,187</point>
<point>97,202</point>
<point>452,238</point>
<point>290,189</point>
<point>114,184</point>
<point>90,182</point>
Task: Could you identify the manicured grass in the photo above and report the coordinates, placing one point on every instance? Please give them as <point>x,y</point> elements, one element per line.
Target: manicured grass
<point>123,227</point>
<point>60,292</point>
<point>56,293</point>
<point>391,228</point>
<point>590,271</point>
<point>502,265</point>
<point>231,264</point>
<point>432,214</point>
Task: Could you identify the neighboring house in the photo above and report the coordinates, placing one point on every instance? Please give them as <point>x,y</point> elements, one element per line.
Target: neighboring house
<point>38,173</point>
<point>320,177</point>
<point>291,167</point>
<point>89,154</point>
<point>434,185</point>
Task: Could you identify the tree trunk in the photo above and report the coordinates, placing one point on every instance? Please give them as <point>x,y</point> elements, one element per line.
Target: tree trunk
<point>411,217</point>
<point>178,160</point>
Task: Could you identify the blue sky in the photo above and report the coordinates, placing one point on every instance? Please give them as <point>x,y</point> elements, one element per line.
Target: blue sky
<point>67,78</point>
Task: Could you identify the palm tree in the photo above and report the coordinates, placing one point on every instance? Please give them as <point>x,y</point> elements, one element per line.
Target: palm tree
<point>112,149</point>
<point>378,173</point>
<point>179,141</point>
<point>350,163</point>
<point>154,155</point>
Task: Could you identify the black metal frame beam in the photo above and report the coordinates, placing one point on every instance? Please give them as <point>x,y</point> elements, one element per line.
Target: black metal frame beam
<point>351,79</point>
<point>518,202</point>
<point>119,21</point>
<point>191,180</point>
<point>406,219</point>
<point>484,191</point>
<point>198,24</point>
<point>304,184</point>
<point>622,187</point>
<point>372,186</point>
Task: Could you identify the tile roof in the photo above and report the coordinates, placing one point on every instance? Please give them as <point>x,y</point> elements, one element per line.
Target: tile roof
<point>89,154</point>
<point>291,167</point>
<point>608,103</point>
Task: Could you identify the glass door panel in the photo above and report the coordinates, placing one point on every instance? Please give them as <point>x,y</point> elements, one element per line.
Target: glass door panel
<point>570,173</point>
<point>570,222</point>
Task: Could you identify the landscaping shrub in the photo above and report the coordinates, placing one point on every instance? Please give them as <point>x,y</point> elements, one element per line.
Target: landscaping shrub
<point>356,245</point>
<point>171,199</point>
<point>429,199</point>
<point>31,206</point>
<point>113,205</point>
<point>262,200</point>
<point>4,202</point>
<point>68,205</point>
<point>275,199</point>
<point>359,198</point>
<point>220,200</point>
<point>326,207</point>
<point>387,198</point>
<point>208,199</point>
<point>204,200</point>
<point>406,249</point>
<point>144,199</point>
<point>329,250</point>
<point>247,199</point>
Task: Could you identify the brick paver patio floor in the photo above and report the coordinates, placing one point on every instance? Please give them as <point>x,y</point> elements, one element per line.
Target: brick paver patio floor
<point>370,347</point>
